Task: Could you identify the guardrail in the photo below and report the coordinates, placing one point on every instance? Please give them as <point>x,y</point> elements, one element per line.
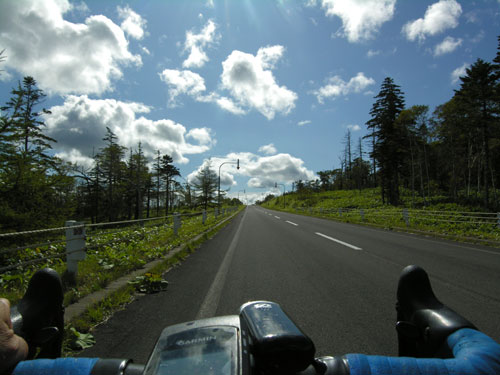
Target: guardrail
<point>72,242</point>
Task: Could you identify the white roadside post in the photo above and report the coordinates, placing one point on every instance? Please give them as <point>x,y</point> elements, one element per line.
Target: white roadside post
<point>406,217</point>
<point>177,223</point>
<point>75,246</point>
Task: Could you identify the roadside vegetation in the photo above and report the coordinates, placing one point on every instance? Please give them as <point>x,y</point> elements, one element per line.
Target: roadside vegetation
<point>415,169</point>
<point>110,255</point>
<point>435,215</point>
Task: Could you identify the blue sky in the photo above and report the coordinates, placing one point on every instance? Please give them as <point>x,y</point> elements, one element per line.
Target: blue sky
<point>276,84</point>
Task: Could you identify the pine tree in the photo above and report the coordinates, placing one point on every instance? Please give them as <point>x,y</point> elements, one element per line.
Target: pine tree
<point>112,170</point>
<point>478,102</point>
<point>206,183</point>
<point>26,125</point>
<point>388,147</point>
<point>168,171</point>
<point>35,187</point>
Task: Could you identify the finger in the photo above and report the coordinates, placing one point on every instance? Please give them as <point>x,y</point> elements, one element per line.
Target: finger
<point>5,312</point>
<point>13,351</point>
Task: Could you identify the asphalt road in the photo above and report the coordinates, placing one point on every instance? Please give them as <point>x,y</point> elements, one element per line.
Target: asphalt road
<point>337,281</point>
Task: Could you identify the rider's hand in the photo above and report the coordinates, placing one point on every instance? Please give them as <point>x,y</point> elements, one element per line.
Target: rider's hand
<point>13,348</point>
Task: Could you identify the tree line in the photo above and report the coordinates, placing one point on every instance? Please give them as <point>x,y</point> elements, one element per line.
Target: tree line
<point>38,189</point>
<point>453,151</point>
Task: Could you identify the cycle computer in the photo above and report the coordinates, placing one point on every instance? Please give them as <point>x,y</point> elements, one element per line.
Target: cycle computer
<point>208,346</point>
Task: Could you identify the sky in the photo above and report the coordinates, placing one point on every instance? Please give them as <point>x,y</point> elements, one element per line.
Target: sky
<point>275,84</point>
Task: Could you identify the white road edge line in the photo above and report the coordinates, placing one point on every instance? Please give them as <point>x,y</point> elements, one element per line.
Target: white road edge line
<point>338,241</point>
<point>212,298</point>
<point>277,217</point>
<point>289,222</point>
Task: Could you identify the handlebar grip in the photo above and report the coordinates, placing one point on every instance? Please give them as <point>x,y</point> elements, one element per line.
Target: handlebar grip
<point>59,366</point>
<point>78,366</point>
<point>474,353</point>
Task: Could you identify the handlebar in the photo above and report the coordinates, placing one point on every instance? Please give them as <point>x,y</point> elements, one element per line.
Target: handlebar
<point>474,353</point>
<point>433,339</point>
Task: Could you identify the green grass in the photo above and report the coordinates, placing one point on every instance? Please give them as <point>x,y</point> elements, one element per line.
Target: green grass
<point>346,206</point>
<point>110,255</point>
<point>102,310</point>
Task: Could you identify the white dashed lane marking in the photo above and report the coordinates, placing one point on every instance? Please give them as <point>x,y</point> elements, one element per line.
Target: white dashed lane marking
<point>338,241</point>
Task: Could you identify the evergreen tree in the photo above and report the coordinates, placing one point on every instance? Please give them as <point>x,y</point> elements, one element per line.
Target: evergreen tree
<point>140,180</point>
<point>388,147</point>
<point>35,187</point>
<point>477,99</point>
<point>157,174</point>
<point>26,124</point>
<point>112,168</point>
<point>168,171</point>
<point>206,183</point>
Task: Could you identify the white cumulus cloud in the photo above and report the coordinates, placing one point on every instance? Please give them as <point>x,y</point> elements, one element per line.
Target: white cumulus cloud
<point>304,122</point>
<point>354,127</point>
<point>361,19</point>
<point>196,44</point>
<point>459,72</point>
<point>336,86</point>
<point>247,78</point>
<point>64,57</point>
<point>228,105</point>
<point>251,83</point>
<point>268,149</point>
<point>182,82</point>
<point>438,17</point>
<point>186,82</point>
<point>262,171</point>
<point>133,24</point>
<point>448,45</point>
<point>80,123</point>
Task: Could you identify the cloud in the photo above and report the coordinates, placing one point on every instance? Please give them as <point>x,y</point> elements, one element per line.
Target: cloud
<point>186,82</point>
<point>133,24</point>
<point>250,82</point>
<point>202,135</point>
<point>196,43</point>
<point>305,122</point>
<point>84,58</point>
<point>182,82</point>
<point>461,71</point>
<point>228,105</point>
<point>438,17</point>
<point>79,125</point>
<point>263,171</point>
<point>247,78</point>
<point>354,127</point>
<point>283,168</point>
<point>448,45</point>
<point>372,53</point>
<point>268,149</point>
<point>336,86</point>
<point>361,19</point>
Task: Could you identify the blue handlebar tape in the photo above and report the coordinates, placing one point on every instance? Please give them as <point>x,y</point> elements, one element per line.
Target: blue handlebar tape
<point>474,353</point>
<point>59,366</point>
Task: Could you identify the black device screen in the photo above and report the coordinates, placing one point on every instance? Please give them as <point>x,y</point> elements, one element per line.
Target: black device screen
<point>206,350</point>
